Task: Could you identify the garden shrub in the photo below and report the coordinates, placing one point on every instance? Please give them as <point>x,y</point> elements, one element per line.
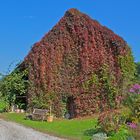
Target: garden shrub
<point>3,105</point>
<point>110,121</point>
<point>122,134</point>
<point>135,130</point>
<point>133,102</point>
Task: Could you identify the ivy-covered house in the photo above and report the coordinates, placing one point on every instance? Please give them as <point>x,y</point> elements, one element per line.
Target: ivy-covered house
<point>79,67</point>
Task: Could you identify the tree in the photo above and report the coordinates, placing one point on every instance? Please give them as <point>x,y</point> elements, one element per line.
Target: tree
<point>13,85</point>
<point>138,71</point>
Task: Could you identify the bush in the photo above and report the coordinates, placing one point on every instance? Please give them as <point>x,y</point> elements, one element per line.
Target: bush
<point>111,121</point>
<point>122,134</point>
<point>135,131</point>
<point>3,106</point>
<point>133,102</point>
<point>13,85</point>
<point>100,136</point>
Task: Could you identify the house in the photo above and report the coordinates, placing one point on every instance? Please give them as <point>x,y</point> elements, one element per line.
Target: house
<point>67,67</point>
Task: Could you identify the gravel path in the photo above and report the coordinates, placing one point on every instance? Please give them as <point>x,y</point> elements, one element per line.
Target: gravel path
<point>13,131</point>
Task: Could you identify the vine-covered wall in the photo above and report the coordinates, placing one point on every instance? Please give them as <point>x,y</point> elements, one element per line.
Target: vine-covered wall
<point>81,59</point>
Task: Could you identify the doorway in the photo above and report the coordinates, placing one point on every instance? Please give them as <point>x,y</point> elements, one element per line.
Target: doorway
<point>71,106</point>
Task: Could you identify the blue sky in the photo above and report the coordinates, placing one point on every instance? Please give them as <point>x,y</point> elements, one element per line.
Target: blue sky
<point>22,23</point>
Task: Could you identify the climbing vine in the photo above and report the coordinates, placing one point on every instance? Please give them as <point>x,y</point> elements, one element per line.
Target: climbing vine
<point>128,71</point>
<point>127,66</point>
<point>93,81</point>
<point>82,59</point>
<point>109,88</point>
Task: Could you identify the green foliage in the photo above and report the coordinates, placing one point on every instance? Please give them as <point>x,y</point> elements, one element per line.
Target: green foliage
<point>122,134</point>
<point>39,101</point>
<point>110,121</point>
<point>110,89</point>
<point>43,100</point>
<point>135,132</point>
<point>136,110</point>
<point>64,105</point>
<point>128,68</point>
<point>93,80</point>
<point>133,102</point>
<point>103,80</point>
<point>125,113</point>
<point>3,105</point>
<point>14,84</point>
<point>138,72</point>
<point>138,67</point>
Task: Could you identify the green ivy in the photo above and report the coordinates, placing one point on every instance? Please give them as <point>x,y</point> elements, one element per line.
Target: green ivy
<point>103,81</point>
<point>110,90</point>
<point>93,80</point>
<point>127,65</point>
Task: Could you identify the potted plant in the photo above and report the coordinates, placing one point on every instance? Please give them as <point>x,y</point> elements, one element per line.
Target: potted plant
<point>51,96</point>
<point>50,117</point>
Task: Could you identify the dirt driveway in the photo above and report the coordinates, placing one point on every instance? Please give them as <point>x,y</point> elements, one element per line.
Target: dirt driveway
<point>13,131</point>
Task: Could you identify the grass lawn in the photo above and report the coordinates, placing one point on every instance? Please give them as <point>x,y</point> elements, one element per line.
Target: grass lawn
<point>77,129</point>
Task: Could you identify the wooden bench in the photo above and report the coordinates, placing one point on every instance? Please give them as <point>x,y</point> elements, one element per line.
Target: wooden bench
<point>38,114</point>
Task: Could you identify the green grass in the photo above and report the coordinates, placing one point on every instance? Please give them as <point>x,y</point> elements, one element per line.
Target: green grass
<point>77,129</point>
